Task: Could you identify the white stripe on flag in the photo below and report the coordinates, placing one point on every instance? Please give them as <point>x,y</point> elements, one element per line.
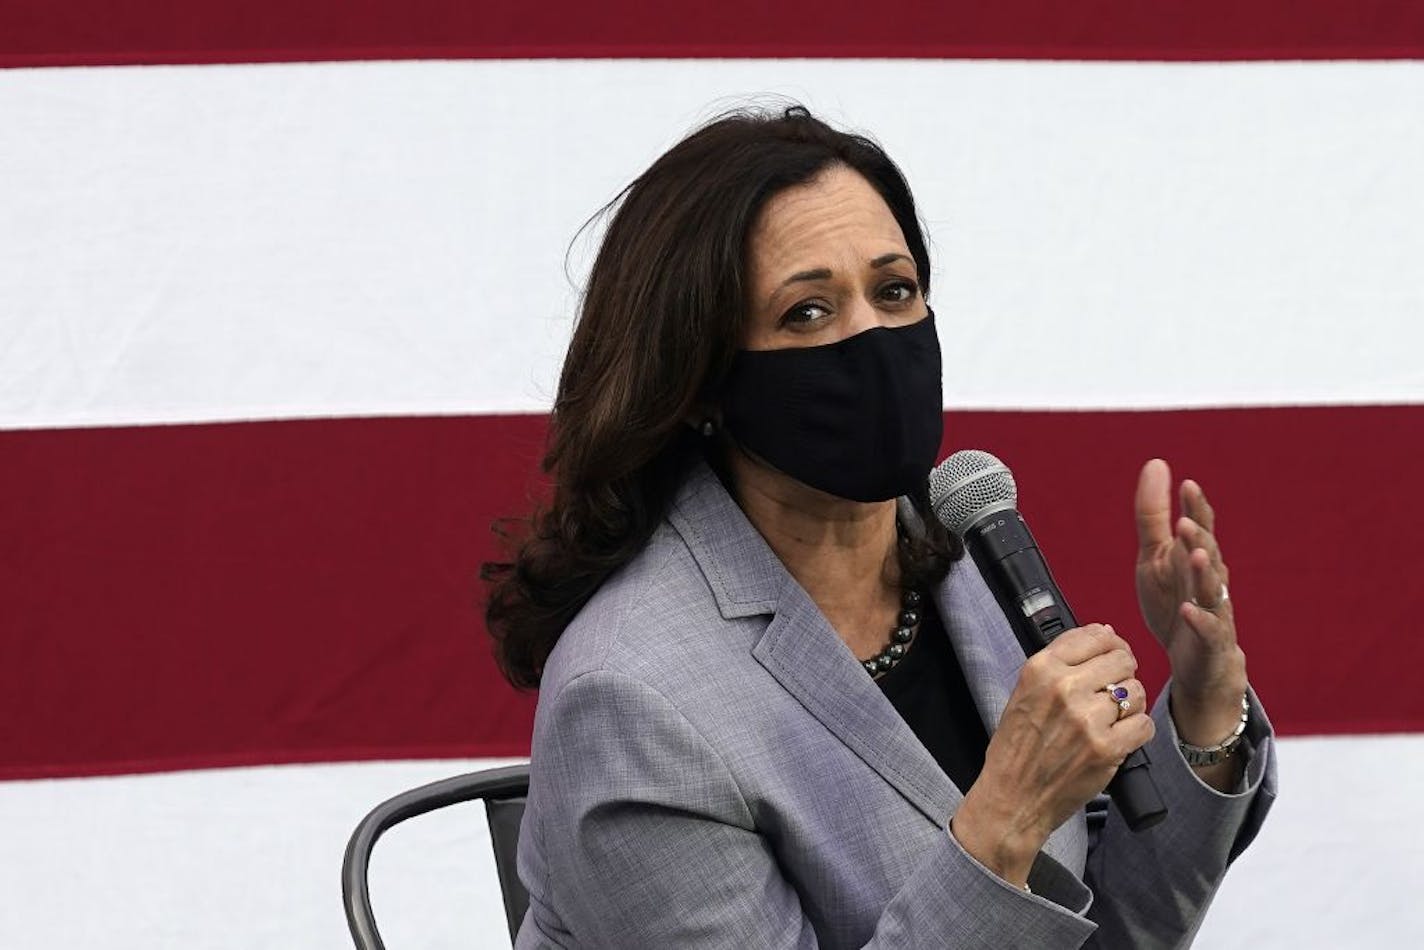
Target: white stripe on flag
<point>237,858</point>
<point>198,243</point>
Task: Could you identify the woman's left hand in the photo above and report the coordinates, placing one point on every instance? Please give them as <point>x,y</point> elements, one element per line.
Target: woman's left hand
<point>1181,588</point>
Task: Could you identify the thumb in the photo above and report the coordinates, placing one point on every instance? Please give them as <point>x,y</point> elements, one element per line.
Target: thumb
<point>1153,505</point>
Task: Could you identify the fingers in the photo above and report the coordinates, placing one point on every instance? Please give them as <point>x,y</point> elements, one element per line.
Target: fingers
<point>1103,707</point>
<point>1197,526</point>
<point>1136,700</point>
<point>1195,505</point>
<point>1083,643</point>
<point>1095,657</point>
<point>1194,535</point>
<point>1111,731</point>
<point>1215,626</point>
<point>1208,583</point>
<point>1130,733</point>
<point>1113,662</point>
<point>1209,574</point>
<point>1063,733</point>
<point>1153,505</point>
<point>1115,667</point>
<point>1154,510</point>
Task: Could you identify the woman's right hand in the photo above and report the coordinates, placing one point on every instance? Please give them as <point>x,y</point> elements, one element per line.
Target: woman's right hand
<point>1057,745</point>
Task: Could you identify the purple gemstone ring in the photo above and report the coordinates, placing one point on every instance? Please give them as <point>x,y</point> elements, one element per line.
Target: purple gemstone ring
<point>1118,694</point>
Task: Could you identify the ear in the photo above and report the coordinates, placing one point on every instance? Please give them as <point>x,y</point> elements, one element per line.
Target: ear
<point>704,419</point>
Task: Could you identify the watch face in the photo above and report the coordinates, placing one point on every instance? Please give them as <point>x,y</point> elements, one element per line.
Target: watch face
<point>1200,757</point>
<point>1196,756</point>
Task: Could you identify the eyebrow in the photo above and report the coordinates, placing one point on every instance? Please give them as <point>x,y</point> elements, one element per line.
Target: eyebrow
<point>890,258</point>
<point>824,273</point>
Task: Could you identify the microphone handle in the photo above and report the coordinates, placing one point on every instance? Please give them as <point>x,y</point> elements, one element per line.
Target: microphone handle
<point>1014,568</point>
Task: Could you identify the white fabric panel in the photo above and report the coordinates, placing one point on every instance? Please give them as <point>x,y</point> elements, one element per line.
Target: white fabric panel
<point>227,242</point>
<point>241,858</point>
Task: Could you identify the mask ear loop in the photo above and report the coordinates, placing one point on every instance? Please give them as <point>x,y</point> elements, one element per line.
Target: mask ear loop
<point>907,519</point>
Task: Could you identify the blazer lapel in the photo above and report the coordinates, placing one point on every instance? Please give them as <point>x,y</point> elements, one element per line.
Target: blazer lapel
<point>986,647</point>
<point>813,663</point>
<point>991,658</point>
<point>799,647</point>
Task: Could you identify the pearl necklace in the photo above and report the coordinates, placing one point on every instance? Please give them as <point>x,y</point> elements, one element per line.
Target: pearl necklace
<point>904,632</point>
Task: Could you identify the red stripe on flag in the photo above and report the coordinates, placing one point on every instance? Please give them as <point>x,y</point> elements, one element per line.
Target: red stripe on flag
<point>192,595</point>
<point>93,32</point>
<point>198,595</point>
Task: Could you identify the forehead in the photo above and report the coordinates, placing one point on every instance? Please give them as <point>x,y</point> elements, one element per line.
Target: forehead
<point>838,214</point>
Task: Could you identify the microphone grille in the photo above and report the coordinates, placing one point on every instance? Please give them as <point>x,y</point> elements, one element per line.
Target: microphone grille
<point>969,484</point>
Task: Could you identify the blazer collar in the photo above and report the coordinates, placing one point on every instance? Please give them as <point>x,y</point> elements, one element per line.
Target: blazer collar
<point>746,577</point>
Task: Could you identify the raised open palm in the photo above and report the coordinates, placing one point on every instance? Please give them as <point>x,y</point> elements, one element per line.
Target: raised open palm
<point>1182,586</point>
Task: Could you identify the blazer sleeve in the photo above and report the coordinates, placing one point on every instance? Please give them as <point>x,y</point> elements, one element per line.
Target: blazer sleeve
<point>1152,888</point>
<point>647,841</point>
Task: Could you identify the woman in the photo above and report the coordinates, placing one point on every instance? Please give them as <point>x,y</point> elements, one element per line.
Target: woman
<point>778,707</point>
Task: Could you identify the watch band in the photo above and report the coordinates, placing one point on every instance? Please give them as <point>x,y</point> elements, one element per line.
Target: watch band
<point>1212,754</point>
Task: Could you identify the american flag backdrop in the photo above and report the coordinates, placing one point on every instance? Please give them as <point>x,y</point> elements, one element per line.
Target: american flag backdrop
<point>284,289</point>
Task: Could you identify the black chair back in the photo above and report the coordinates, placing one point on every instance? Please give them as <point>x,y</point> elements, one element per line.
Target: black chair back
<point>504,817</point>
<point>503,791</point>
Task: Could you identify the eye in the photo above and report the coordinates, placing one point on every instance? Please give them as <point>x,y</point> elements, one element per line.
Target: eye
<point>900,291</point>
<point>804,314</point>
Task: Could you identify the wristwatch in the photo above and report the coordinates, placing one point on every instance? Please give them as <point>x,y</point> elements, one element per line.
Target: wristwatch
<point>1212,754</point>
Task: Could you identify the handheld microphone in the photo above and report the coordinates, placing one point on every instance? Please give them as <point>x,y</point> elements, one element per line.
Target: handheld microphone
<point>974,496</point>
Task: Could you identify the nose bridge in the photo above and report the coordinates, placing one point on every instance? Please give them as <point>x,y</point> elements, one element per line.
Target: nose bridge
<point>860,315</point>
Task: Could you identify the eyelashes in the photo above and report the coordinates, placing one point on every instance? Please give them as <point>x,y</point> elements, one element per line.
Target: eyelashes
<point>801,314</point>
<point>895,293</point>
<point>909,289</point>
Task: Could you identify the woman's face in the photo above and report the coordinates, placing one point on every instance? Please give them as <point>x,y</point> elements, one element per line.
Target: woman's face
<point>827,260</point>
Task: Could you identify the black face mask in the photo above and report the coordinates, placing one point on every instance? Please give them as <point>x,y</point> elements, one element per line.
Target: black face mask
<point>861,419</point>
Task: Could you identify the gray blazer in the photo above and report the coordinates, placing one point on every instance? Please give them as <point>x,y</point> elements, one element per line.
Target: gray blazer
<point>712,767</point>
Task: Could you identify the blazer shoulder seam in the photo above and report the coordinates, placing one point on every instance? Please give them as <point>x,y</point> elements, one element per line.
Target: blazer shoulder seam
<point>633,600</point>
<point>671,704</point>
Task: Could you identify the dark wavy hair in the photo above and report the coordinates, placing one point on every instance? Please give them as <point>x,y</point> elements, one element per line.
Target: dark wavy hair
<point>660,319</point>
